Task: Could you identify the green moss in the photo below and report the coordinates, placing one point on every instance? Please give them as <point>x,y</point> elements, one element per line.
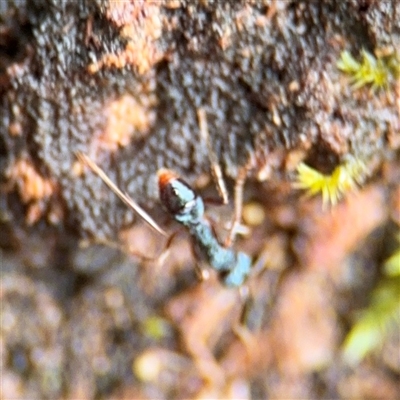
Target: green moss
<point>375,72</point>
<point>380,318</point>
<point>334,186</point>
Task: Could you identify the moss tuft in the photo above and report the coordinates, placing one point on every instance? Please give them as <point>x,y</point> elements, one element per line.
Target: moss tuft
<point>333,187</point>
<point>376,72</point>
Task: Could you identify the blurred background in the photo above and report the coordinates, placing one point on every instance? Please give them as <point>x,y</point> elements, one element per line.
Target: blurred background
<point>306,94</point>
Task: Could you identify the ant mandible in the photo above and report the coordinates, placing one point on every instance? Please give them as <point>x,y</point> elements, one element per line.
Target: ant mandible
<point>187,208</point>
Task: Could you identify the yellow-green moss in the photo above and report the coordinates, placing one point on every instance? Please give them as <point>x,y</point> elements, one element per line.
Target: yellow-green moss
<point>380,318</point>
<point>376,72</point>
<point>333,187</point>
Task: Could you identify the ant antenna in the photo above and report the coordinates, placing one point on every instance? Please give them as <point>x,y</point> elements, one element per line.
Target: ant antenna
<point>123,196</point>
<point>215,166</point>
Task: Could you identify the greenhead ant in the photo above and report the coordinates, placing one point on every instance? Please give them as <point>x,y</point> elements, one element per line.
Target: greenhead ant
<point>187,208</point>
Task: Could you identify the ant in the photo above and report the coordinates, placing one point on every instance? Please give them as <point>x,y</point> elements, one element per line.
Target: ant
<point>187,208</point>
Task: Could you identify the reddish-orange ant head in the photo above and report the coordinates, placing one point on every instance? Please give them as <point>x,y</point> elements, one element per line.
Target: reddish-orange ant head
<point>179,198</point>
<point>165,177</point>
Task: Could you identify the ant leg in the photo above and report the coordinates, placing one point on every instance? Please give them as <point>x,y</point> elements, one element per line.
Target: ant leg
<point>215,166</point>
<point>219,180</point>
<point>117,246</point>
<point>164,253</point>
<point>246,337</point>
<point>159,258</point>
<point>239,328</point>
<point>238,205</point>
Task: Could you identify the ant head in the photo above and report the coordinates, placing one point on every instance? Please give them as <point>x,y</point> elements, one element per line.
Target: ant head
<point>179,198</point>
